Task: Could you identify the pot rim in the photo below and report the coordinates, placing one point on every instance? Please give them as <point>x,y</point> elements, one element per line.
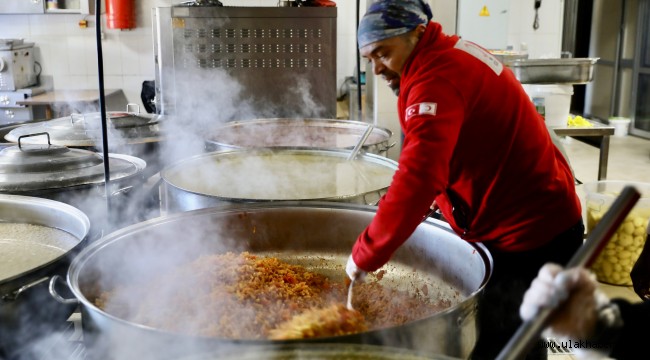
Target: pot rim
<point>311,122</point>
<point>374,158</point>
<point>88,252</point>
<point>27,188</point>
<point>51,210</point>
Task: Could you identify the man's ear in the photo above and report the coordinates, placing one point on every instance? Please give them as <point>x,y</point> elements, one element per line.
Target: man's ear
<point>420,29</point>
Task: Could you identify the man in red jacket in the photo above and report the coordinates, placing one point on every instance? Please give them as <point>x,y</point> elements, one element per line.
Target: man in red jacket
<point>475,146</point>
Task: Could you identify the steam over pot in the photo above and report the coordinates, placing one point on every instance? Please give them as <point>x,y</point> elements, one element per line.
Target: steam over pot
<point>72,176</point>
<point>292,133</point>
<point>299,232</point>
<point>271,174</point>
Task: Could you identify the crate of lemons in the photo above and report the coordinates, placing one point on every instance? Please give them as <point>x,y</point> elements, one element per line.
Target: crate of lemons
<point>621,252</point>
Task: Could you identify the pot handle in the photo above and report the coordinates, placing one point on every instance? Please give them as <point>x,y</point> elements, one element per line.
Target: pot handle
<point>35,134</point>
<point>123,190</point>
<point>76,115</point>
<point>56,295</point>
<point>136,106</point>
<point>387,147</point>
<point>22,289</point>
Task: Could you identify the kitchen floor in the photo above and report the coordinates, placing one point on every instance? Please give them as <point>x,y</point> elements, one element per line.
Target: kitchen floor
<point>629,160</point>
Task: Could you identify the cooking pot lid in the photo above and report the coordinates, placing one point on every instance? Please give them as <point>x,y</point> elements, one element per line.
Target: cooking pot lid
<point>86,129</point>
<point>39,167</point>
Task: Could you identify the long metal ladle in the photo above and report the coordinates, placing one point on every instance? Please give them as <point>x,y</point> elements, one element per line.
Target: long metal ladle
<point>362,140</point>
<point>349,304</point>
<point>529,332</point>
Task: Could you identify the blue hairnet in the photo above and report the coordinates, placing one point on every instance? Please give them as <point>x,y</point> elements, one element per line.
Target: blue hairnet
<point>388,18</point>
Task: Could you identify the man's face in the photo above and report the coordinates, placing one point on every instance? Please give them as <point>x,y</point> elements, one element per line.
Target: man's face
<point>388,56</point>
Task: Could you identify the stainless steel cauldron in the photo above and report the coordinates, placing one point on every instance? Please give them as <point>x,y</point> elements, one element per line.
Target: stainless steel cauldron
<point>129,132</point>
<point>27,311</point>
<point>263,175</point>
<point>72,176</point>
<point>292,133</point>
<point>320,352</point>
<point>316,235</point>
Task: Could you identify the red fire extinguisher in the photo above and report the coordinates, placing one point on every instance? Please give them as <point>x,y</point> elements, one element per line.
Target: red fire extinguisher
<point>120,14</point>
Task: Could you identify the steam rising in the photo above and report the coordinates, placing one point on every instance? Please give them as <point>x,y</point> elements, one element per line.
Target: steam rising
<point>209,99</point>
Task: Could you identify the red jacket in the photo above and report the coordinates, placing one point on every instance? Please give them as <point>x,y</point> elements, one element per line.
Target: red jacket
<point>474,142</point>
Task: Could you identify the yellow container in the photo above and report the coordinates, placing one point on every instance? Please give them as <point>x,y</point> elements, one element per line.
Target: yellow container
<point>615,262</point>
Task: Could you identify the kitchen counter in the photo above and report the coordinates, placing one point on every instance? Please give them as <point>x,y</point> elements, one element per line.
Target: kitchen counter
<point>59,103</point>
<point>596,135</point>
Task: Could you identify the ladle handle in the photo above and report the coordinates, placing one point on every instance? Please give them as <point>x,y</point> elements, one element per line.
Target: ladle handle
<point>362,140</point>
<point>34,134</point>
<point>523,340</point>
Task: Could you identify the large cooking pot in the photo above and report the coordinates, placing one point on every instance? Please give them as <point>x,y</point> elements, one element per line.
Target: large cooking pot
<point>292,133</point>
<point>129,132</point>
<point>263,175</point>
<point>72,176</point>
<point>320,352</point>
<point>38,239</point>
<point>316,235</point>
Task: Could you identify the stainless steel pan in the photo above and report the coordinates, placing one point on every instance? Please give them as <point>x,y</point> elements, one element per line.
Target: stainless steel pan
<point>317,235</point>
<point>27,311</point>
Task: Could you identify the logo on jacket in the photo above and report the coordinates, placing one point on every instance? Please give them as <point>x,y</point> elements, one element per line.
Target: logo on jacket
<point>421,109</point>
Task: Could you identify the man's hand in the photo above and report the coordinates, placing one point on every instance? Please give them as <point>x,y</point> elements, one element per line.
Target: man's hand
<point>575,296</point>
<point>353,271</point>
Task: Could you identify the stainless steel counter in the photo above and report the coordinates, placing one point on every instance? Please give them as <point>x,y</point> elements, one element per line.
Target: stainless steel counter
<point>597,136</point>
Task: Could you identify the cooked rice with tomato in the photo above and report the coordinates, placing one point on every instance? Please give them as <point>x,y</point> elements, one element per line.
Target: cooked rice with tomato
<point>244,296</point>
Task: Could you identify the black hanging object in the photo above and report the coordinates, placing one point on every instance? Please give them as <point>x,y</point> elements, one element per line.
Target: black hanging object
<point>538,4</point>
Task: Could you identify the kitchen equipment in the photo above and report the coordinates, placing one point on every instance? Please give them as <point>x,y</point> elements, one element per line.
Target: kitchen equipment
<point>349,303</point>
<point>26,309</point>
<point>263,175</point>
<point>18,80</point>
<point>320,352</point>
<point>355,151</point>
<point>613,266</point>
<point>17,65</point>
<point>553,71</point>
<point>130,132</point>
<point>275,61</point>
<point>298,132</point>
<point>72,176</point>
<point>528,333</point>
<point>316,235</point>
<point>84,130</point>
<point>506,56</point>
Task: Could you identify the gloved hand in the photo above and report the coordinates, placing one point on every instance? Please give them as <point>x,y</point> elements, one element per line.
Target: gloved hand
<point>353,271</point>
<point>575,294</point>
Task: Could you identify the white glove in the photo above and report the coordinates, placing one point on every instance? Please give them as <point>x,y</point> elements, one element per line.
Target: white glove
<point>353,271</point>
<point>575,294</point>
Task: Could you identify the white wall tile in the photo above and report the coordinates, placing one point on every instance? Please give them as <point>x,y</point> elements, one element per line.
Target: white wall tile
<point>112,52</point>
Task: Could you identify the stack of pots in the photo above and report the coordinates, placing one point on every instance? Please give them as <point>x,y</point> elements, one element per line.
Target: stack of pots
<point>129,132</point>
<point>321,234</point>
<point>73,176</point>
